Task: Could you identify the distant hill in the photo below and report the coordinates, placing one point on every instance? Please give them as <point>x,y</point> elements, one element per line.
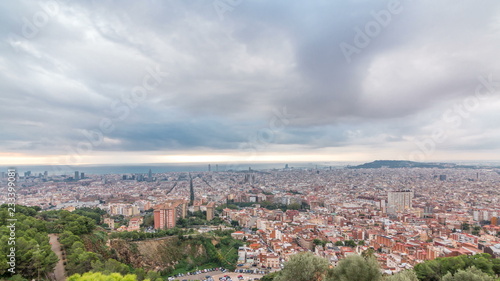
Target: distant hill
<point>407,164</point>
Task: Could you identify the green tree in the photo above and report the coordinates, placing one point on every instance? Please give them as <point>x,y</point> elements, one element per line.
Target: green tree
<point>368,253</point>
<point>294,206</point>
<point>469,274</point>
<point>434,270</point>
<point>17,277</point>
<point>33,258</point>
<point>407,275</point>
<point>356,268</point>
<point>148,221</point>
<point>319,242</point>
<point>429,270</point>
<point>496,266</point>
<point>153,275</point>
<point>270,276</point>
<point>140,273</point>
<point>79,260</point>
<point>110,266</point>
<point>67,239</point>
<point>304,267</point>
<point>350,243</point>
<point>3,264</point>
<point>98,276</point>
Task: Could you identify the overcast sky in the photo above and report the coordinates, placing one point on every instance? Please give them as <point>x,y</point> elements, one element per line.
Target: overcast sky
<point>240,80</point>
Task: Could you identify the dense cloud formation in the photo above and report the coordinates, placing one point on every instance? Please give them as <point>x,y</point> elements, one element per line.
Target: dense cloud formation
<point>361,80</point>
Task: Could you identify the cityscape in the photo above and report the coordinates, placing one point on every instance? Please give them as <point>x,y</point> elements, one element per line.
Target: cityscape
<point>245,140</point>
<point>406,215</point>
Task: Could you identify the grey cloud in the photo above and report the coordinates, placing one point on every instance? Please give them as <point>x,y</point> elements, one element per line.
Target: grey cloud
<point>226,77</point>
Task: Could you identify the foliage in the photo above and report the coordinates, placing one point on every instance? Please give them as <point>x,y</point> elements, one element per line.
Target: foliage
<point>67,239</point>
<point>203,251</point>
<point>370,252</point>
<point>33,253</point>
<point>149,220</point>
<point>198,219</point>
<point>110,266</point>
<point>92,213</point>
<point>270,276</point>
<point>304,267</point>
<point>434,270</point>
<point>407,275</point>
<point>120,220</point>
<point>320,242</point>
<point>98,276</point>
<point>481,267</point>
<point>61,220</point>
<point>470,274</point>
<point>79,260</point>
<point>356,268</point>
<point>350,243</point>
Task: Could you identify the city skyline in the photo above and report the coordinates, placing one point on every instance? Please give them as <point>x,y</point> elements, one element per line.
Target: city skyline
<point>248,82</point>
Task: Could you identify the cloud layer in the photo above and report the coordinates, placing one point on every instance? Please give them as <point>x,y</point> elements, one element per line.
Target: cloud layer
<point>232,76</point>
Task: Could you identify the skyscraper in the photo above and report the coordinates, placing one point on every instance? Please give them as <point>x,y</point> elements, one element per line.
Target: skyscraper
<point>191,190</point>
<point>150,175</point>
<point>399,201</point>
<point>77,175</point>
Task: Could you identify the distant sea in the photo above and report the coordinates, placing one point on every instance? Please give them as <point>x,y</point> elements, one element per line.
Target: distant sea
<point>162,168</point>
<point>191,167</point>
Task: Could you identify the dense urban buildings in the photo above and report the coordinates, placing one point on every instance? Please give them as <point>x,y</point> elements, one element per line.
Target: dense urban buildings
<point>406,215</point>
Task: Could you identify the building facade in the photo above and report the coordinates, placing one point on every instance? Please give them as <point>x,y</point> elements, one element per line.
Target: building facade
<point>399,201</point>
<point>167,214</point>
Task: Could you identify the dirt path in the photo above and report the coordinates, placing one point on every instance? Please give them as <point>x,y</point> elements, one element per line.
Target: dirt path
<point>56,248</point>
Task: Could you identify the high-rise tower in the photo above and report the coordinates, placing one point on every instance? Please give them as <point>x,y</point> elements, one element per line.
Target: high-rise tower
<point>399,201</point>
<point>191,190</point>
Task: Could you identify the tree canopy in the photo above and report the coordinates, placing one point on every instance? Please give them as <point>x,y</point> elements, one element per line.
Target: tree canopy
<point>98,276</point>
<point>304,267</point>
<point>469,274</point>
<point>356,268</point>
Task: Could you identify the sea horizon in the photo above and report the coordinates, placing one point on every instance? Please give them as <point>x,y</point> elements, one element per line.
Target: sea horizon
<point>143,168</point>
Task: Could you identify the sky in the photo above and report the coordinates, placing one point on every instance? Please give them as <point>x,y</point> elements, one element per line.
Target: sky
<point>93,82</point>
